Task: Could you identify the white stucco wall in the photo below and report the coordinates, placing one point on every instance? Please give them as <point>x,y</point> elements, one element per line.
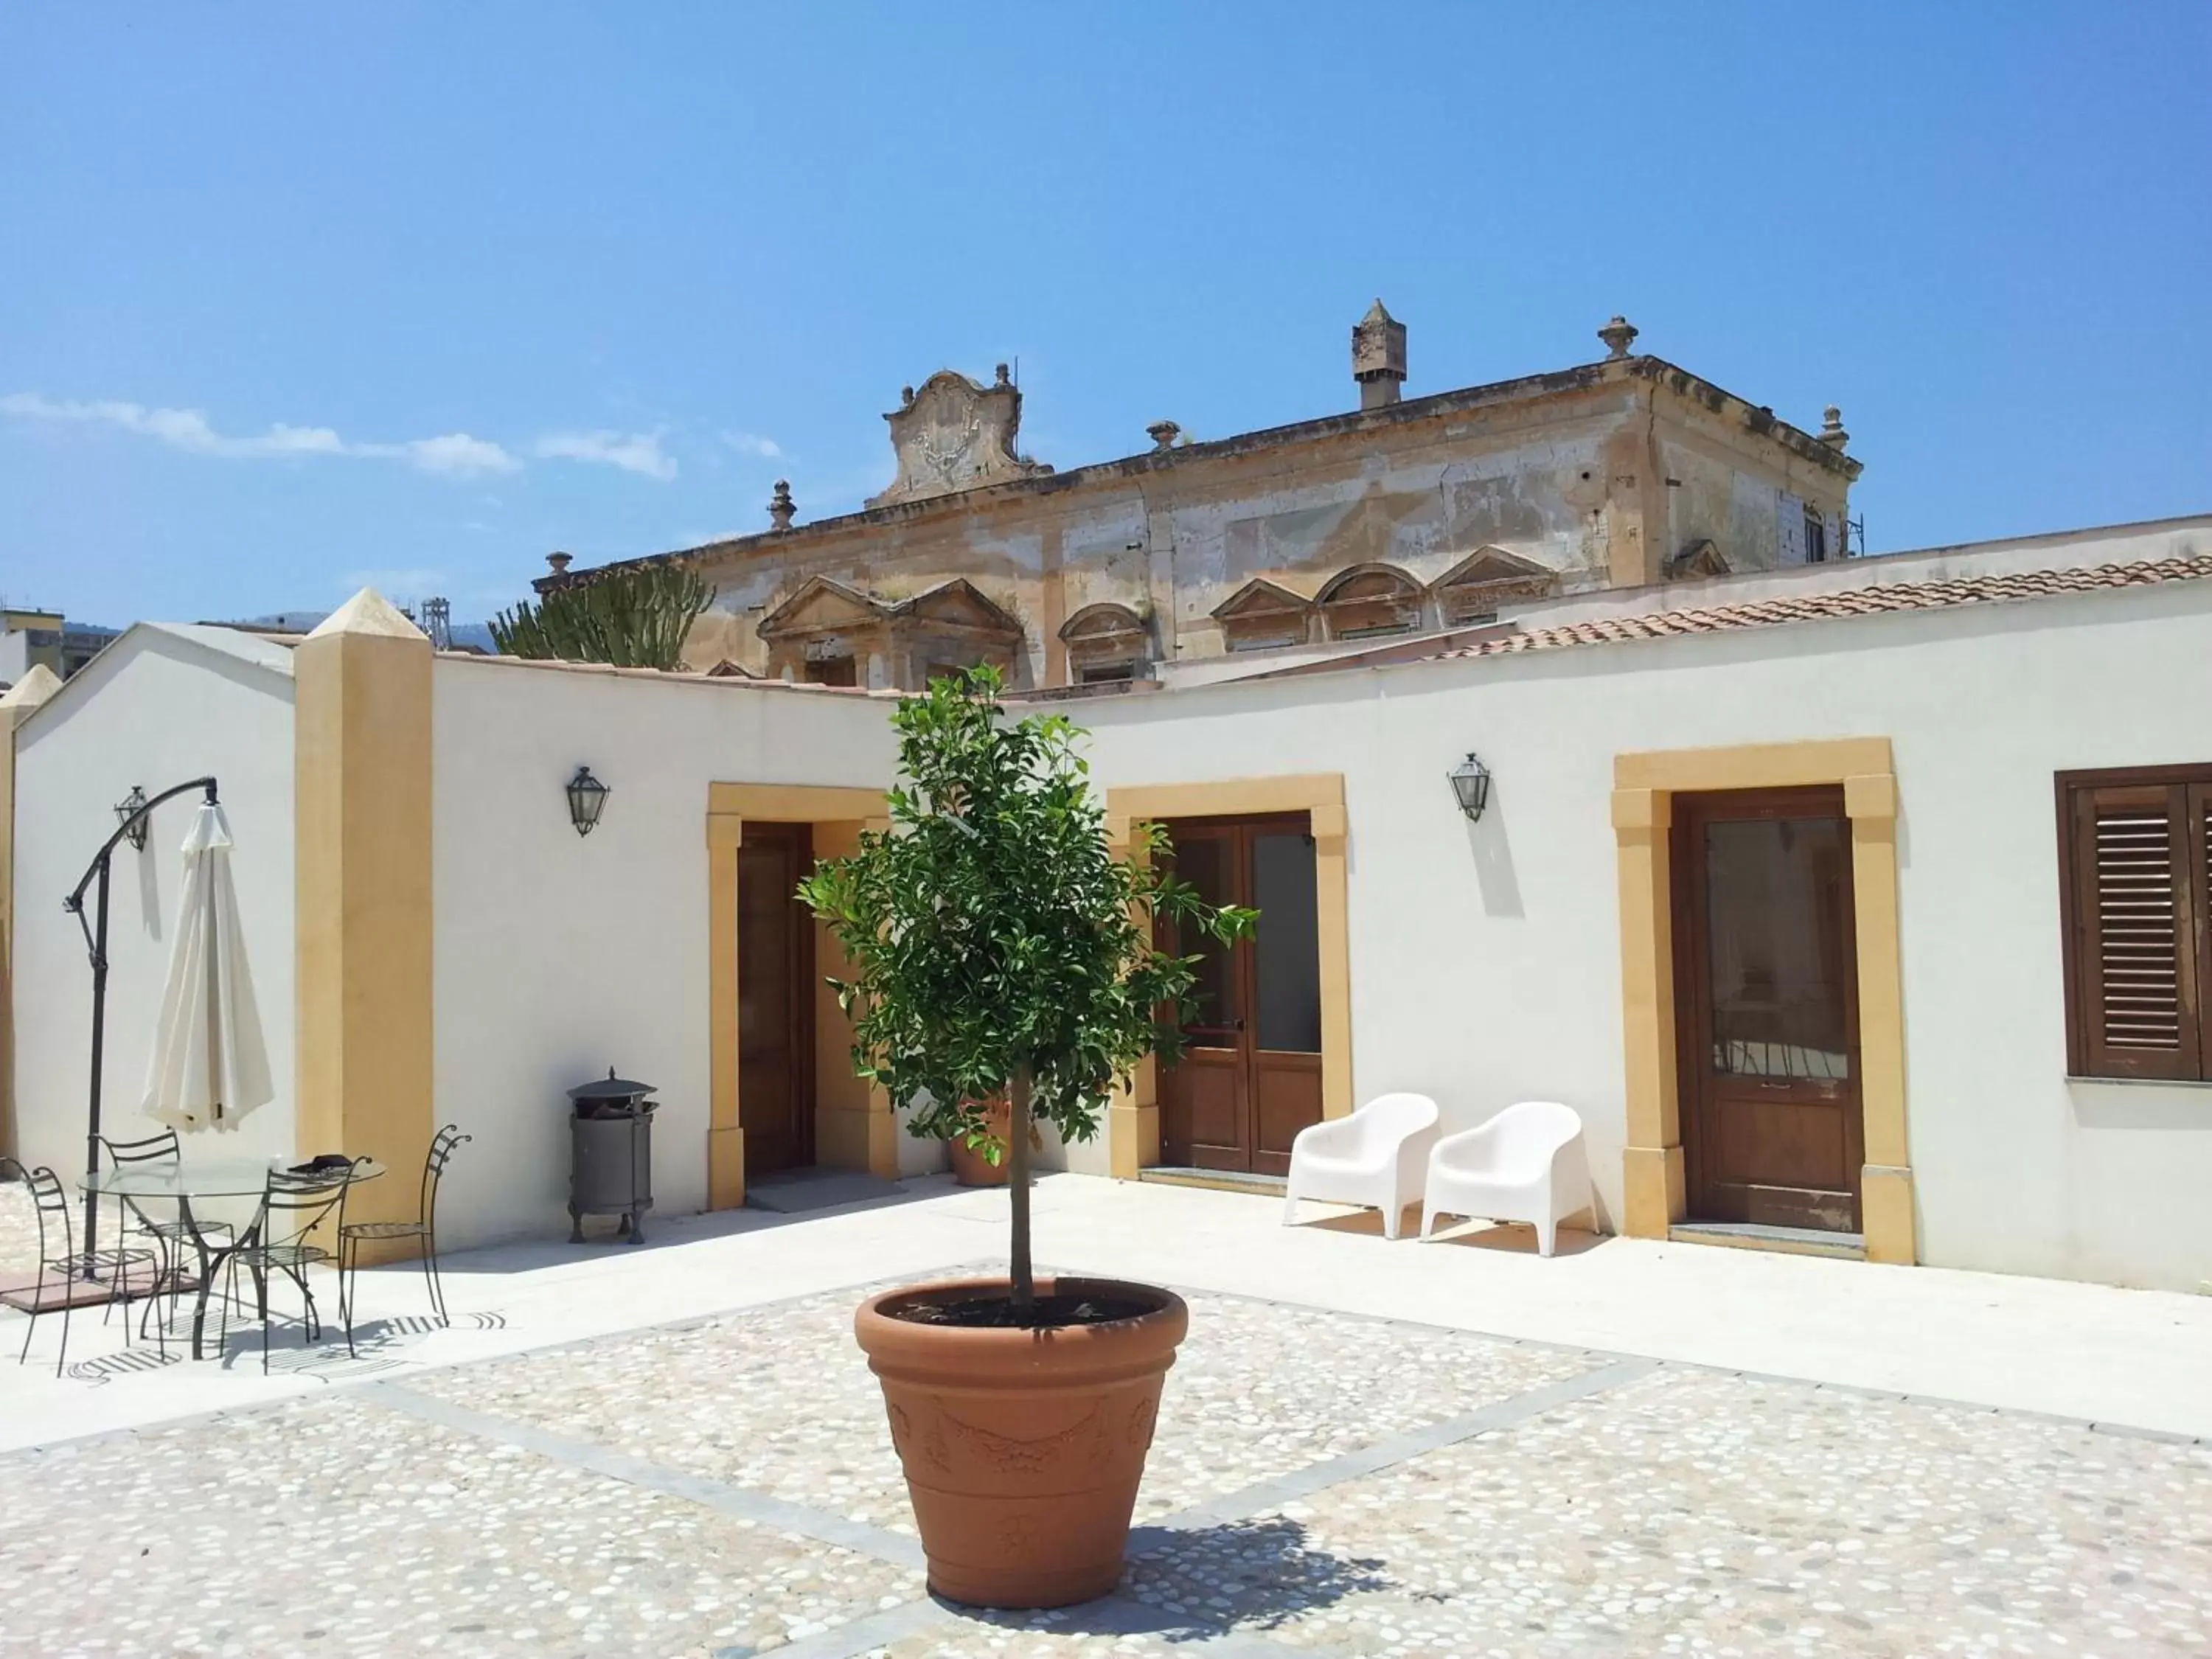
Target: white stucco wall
<point>558,956</point>
<point>1485,959</point>
<point>159,707</point>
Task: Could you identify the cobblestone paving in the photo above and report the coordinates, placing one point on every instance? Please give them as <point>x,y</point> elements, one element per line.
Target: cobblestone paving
<point>337,1528</point>
<point>981,1640</point>
<point>781,1402</point>
<point>1694,1512</point>
<point>19,1230</point>
<point>1673,1512</point>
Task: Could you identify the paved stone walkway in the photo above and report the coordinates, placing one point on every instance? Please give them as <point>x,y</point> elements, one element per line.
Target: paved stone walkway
<point>19,1230</point>
<point>1321,1484</point>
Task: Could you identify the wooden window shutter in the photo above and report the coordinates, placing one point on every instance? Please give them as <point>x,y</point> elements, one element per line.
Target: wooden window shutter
<point>2199,917</point>
<point>2138,858</point>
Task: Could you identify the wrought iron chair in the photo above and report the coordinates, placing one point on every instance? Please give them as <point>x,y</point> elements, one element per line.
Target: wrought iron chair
<point>424,1227</point>
<point>293,1205</point>
<point>171,1236</point>
<point>62,1272</point>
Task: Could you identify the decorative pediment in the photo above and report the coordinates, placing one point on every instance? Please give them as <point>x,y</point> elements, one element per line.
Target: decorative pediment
<point>1365,583</point>
<point>1261,598</point>
<point>955,434</point>
<point>960,604</point>
<point>1474,588</point>
<point>821,605</point>
<point>1106,641</point>
<point>1262,613</point>
<point>1104,624</point>
<point>1368,599</point>
<point>1699,558</point>
<point>726,670</point>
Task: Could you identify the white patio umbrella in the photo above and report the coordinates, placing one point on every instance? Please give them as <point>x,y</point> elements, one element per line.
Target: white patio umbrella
<point>210,1065</point>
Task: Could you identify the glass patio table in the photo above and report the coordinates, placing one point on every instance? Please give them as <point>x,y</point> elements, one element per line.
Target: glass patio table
<point>202,1181</point>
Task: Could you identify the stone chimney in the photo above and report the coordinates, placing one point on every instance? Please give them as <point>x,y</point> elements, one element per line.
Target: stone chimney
<point>1378,357</point>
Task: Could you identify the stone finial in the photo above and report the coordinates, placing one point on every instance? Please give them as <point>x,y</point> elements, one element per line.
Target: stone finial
<point>559,563</point>
<point>1378,357</point>
<point>1618,335</point>
<point>1832,428</point>
<point>27,694</point>
<point>1164,433</point>
<point>906,397</point>
<point>369,612</point>
<point>1004,377</point>
<point>781,510</point>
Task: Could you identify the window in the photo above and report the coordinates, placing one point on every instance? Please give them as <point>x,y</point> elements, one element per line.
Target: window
<point>1105,673</point>
<point>1816,538</point>
<point>1269,642</point>
<point>2136,894</point>
<point>832,670</point>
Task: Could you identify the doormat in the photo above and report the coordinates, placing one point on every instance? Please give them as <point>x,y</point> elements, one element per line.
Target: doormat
<point>800,1190</point>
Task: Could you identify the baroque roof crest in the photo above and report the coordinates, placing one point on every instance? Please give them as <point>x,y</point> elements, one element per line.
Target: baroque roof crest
<point>955,434</point>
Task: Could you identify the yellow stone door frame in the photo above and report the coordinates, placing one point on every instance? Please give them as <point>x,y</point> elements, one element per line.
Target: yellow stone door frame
<point>1133,1118</point>
<point>1644,786</point>
<point>870,1141</point>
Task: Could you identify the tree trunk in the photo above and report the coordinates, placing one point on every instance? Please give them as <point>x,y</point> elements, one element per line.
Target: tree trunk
<point>1017,1185</point>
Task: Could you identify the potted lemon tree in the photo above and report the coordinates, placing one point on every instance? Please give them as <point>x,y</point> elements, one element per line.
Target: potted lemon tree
<point>1000,949</point>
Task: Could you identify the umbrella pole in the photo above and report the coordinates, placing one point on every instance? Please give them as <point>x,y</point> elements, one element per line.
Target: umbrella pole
<point>99,1049</point>
<point>96,938</point>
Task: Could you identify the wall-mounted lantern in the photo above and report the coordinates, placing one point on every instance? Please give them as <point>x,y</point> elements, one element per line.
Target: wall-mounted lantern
<point>128,809</point>
<point>1470,782</point>
<point>588,798</point>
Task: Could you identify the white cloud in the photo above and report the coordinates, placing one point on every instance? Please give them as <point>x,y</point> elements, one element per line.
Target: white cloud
<point>452,454</point>
<point>751,443</point>
<point>633,452</point>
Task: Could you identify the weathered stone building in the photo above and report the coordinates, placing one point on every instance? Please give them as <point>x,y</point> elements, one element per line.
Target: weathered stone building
<point>1405,515</point>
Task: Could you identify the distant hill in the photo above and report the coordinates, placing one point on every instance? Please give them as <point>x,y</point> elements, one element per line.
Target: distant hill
<point>466,634</point>
<point>475,634</point>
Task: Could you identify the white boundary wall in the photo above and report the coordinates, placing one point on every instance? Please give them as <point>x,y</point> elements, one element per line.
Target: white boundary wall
<point>558,956</point>
<point>162,704</point>
<point>1486,959</point>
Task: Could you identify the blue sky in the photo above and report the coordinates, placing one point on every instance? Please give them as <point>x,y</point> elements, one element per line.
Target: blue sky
<point>295,297</point>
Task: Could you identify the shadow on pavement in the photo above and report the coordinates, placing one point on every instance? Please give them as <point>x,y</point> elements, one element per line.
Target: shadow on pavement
<point>1203,1583</point>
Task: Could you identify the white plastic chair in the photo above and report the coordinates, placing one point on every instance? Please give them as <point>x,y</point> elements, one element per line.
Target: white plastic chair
<point>1525,1165</point>
<point>1374,1158</point>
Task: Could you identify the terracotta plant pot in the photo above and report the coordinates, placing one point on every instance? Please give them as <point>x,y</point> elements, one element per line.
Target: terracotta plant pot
<point>1023,1448</point>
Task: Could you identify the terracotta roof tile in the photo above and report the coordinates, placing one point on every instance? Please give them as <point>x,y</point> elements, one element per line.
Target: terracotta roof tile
<point>1844,602</point>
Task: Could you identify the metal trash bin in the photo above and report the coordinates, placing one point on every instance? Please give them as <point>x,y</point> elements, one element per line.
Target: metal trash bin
<point>610,1148</point>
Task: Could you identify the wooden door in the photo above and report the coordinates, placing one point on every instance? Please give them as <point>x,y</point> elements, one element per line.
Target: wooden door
<point>1767,1000</point>
<point>1251,1075</point>
<point>776,998</point>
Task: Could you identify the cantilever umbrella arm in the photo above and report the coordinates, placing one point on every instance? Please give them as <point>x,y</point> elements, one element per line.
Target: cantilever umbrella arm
<point>95,941</point>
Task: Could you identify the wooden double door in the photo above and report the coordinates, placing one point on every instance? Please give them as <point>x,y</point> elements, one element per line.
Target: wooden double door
<point>1766,1008</point>
<point>776,998</point>
<point>1249,1079</point>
